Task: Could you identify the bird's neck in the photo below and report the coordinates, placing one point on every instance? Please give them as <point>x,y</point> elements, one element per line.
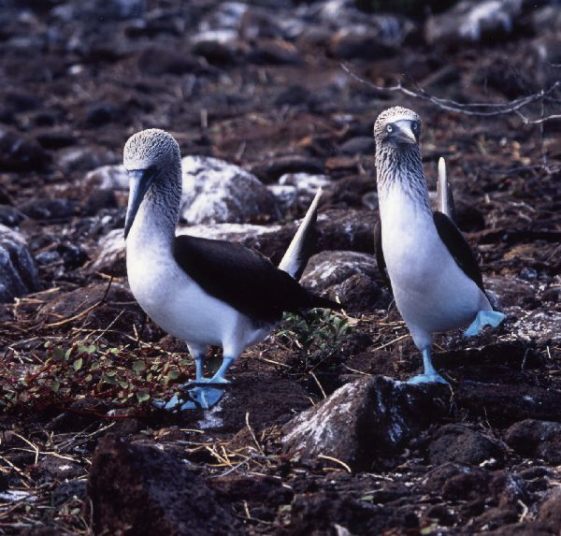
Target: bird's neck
<point>156,219</point>
<point>400,173</point>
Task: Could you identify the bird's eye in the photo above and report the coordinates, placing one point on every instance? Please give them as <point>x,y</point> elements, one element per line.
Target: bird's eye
<point>389,128</point>
<point>415,126</point>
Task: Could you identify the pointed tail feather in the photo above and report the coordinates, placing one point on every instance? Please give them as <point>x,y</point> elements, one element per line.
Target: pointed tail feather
<point>301,247</point>
<point>444,195</point>
<point>325,303</point>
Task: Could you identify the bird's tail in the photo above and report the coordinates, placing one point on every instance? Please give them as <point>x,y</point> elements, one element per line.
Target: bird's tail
<point>445,198</point>
<point>302,245</point>
<point>324,303</point>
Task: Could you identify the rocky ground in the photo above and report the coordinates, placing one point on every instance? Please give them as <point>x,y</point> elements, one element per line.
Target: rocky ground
<point>316,435</point>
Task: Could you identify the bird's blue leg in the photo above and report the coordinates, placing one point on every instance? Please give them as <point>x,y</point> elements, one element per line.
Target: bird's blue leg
<point>198,367</point>
<point>484,318</point>
<point>207,392</point>
<point>429,374</point>
<point>178,401</point>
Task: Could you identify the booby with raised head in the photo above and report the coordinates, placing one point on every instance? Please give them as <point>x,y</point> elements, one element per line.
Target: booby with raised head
<point>434,275</point>
<point>205,292</point>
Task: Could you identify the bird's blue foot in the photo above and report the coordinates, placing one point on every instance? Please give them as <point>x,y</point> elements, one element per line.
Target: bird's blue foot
<point>484,318</point>
<point>203,393</point>
<point>427,378</point>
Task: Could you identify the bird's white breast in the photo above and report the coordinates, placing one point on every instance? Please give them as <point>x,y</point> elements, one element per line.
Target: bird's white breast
<point>179,305</point>
<point>431,291</point>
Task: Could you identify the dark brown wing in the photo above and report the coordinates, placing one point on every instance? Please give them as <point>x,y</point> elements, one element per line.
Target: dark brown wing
<point>458,247</point>
<point>243,278</point>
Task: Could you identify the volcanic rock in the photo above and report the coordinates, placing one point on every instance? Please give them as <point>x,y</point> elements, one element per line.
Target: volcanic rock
<point>18,153</point>
<point>364,420</point>
<point>18,273</point>
<point>348,276</point>
<point>138,489</point>
<point>460,444</point>
<point>215,191</point>
<point>535,438</point>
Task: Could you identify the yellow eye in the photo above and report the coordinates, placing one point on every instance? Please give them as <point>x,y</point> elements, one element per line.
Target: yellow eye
<point>389,128</point>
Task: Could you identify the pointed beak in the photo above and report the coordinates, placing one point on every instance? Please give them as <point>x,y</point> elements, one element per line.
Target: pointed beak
<point>139,182</point>
<point>405,134</point>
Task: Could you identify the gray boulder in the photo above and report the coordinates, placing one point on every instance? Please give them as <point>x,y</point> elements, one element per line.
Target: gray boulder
<point>215,191</point>
<point>364,420</point>
<point>469,22</point>
<point>18,273</point>
<point>347,276</point>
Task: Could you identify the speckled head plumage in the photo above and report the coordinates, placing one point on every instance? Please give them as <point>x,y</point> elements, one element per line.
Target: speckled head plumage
<point>150,147</point>
<point>398,155</point>
<point>397,127</point>
<point>153,162</point>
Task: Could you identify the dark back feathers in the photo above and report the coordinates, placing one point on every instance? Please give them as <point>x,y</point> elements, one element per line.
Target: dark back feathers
<point>458,247</point>
<point>243,278</point>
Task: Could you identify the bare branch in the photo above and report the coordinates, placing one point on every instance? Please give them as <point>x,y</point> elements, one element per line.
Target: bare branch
<point>479,109</point>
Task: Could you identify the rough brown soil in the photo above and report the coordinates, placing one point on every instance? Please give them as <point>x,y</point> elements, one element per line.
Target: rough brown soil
<point>80,361</point>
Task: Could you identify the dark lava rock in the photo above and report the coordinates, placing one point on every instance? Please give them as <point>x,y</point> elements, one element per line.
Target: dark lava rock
<point>55,468</point>
<point>56,139</point>
<point>273,168</point>
<point>159,61</point>
<point>359,41</point>
<point>216,52</point>
<point>364,420</point>
<point>10,216</point>
<point>348,276</point>
<point>294,95</point>
<point>549,514</point>
<point>18,153</point>
<point>339,514</point>
<point>109,257</point>
<point>49,209</point>
<point>346,230</point>
<point>102,113</point>
<point>96,306</point>
<point>252,488</point>
<point>263,401</point>
<point>138,489</point>
<point>99,200</point>
<point>274,52</point>
<point>459,443</point>
<point>467,484</point>
<point>504,404</point>
<point>18,273</point>
<point>358,145</point>
<point>541,439</point>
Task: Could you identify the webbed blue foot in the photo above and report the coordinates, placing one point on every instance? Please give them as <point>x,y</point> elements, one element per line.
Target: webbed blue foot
<point>429,374</point>
<point>203,393</point>
<point>484,318</point>
<point>202,398</point>
<point>196,395</point>
<point>427,378</point>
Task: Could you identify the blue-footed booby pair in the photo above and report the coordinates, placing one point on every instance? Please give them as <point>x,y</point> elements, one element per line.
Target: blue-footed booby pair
<point>434,275</point>
<point>205,292</point>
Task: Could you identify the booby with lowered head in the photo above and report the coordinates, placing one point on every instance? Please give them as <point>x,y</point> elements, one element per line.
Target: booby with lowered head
<point>205,292</point>
<point>434,275</point>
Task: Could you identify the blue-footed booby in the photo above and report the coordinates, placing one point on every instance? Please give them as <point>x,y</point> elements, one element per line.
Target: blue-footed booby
<point>205,292</point>
<point>434,275</point>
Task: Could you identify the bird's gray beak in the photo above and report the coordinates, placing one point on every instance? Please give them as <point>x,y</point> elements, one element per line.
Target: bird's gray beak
<point>404,133</point>
<point>139,182</point>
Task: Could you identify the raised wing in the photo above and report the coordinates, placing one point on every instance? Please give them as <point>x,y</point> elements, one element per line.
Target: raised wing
<point>458,247</point>
<point>245,279</point>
